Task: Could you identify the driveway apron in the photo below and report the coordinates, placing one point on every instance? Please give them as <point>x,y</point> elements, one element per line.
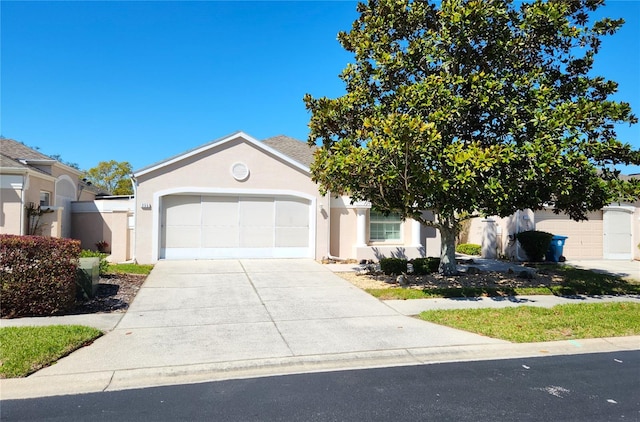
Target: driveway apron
<point>198,312</point>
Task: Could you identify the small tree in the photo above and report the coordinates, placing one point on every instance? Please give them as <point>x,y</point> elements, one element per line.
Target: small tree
<point>112,176</point>
<point>473,108</point>
<point>34,216</point>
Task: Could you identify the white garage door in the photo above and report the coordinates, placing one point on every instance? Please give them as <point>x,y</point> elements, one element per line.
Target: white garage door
<point>618,239</point>
<point>585,237</point>
<point>202,226</point>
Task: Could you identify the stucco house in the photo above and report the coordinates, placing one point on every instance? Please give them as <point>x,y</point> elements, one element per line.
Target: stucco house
<point>238,197</point>
<point>29,179</point>
<point>610,233</point>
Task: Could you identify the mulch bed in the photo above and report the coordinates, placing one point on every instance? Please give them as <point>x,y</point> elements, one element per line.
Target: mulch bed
<point>115,294</point>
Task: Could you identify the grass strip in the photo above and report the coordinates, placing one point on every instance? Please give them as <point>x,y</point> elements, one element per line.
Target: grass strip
<point>575,281</point>
<point>130,269</point>
<point>400,293</point>
<point>24,350</point>
<point>527,324</point>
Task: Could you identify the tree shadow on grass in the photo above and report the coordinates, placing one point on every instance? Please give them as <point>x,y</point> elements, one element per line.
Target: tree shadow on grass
<point>584,282</point>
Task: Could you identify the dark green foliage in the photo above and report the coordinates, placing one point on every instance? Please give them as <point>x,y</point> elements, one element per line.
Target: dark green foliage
<point>534,243</point>
<point>395,266</point>
<point>422,266</point>
<point>104,264</point>
<point>474,108</point>
<point>38,275</point>
<point>469,249</point>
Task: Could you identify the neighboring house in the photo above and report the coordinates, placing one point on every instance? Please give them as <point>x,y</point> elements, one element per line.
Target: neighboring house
<point>30,179</point>
<point>610,233</point>
<point>237,197</point>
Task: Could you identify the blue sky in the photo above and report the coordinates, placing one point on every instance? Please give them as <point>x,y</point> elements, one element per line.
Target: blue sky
<point>142,81</point>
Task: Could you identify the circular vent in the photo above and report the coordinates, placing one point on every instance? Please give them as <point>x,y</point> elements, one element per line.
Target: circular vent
<point>240,171</point>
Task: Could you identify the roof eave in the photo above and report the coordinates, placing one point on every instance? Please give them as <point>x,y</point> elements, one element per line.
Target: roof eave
<point>217,143</point>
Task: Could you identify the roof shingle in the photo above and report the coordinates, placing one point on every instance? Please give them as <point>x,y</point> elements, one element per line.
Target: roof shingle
<point>293,148</point>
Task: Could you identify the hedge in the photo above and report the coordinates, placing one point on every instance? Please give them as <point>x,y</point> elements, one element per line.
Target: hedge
<point>395,266</point>
<point>38,275</point>
<point>469,249</point>
<point>422,266</point>
<point>535,244</point>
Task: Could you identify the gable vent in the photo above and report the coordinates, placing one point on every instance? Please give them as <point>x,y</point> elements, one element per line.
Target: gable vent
<point>240,171</point>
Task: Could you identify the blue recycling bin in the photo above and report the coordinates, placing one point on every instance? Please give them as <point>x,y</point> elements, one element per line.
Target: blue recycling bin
<point>554,253</point>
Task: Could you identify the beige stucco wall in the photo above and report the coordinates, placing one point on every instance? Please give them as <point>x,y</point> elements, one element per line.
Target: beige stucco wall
<point>104,220</point>
<point>210,172</point>
<point>10,209</point>
<point>107,220</point>
<point>505,229</point>
<point>344,236</point>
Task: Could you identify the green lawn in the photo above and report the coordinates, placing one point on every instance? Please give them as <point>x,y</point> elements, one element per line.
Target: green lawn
<point>400,293</point>
<point>24,350</point>
<point>574,282</point>
<point>130,269</point>
<point>525,324</point>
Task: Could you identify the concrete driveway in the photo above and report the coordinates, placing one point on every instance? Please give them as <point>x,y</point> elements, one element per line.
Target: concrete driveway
<point>205,320</point>
<point>201,312</point>
<point>622,268</point>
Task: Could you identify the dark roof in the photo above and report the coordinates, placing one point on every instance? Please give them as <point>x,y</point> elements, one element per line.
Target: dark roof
<point>293,148</point>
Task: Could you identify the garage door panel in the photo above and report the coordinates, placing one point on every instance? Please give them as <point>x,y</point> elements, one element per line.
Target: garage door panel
<point>256,212</point>
<point>220,211</point>
<point>292,213</point>
<point>182,237</point>
<point>291,237</point>
<point>256,237</point>
<point>182,210</point>
<point>220,237</point>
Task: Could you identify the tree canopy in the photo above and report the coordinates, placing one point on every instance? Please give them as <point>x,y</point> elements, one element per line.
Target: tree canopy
<point>474,107</point>
<point>112,176</point>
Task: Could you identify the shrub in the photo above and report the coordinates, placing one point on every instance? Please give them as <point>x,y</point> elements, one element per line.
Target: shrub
<point>534,243</point>
<point>393,266</point>
<point>422,266</point>
<point>104,264</point>
<point>103,246</point>
<point>38,275</point>
<point>469,249</point>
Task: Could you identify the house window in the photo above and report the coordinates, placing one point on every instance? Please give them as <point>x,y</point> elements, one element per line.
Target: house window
<point>45,199</point>
<point>384,228</point>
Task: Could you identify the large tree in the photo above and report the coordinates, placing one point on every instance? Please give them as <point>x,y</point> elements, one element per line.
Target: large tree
<point>112,176</point>
<point>473,107</point>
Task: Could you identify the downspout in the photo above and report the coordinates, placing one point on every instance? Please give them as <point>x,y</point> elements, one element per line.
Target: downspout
<point>134,184</point>
<point>25,181</point>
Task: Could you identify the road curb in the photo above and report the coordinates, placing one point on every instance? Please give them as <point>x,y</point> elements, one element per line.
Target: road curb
<point>55,385</point>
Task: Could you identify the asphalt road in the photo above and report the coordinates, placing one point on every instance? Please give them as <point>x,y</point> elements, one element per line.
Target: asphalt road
<point>592,387</point>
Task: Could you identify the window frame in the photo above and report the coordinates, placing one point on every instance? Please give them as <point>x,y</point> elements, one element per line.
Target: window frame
<point>378,218</point>
<point>48,198</point>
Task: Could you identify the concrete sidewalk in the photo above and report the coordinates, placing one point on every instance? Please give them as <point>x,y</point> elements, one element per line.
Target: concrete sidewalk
<point>196,321</point>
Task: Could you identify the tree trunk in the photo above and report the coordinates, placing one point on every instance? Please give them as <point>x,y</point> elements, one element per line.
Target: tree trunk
<point>448,235</point>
